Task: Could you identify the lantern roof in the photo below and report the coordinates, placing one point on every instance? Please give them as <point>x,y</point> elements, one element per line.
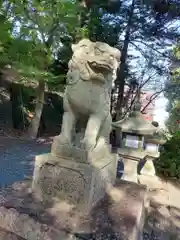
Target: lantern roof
<point>157,138</point>
<point>136,123</point>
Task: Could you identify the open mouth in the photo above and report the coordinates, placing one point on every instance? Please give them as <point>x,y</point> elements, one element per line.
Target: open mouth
<point>100,66</point>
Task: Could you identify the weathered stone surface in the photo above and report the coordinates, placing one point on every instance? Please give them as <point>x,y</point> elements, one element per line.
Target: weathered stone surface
<point>159,224</point>
<point>4,235</point>
<point>87,95</point>
<point>27,228</point>
<point>79,154</point>
<point>81,184</point>
<point>119,216</point>
<point>126,209</point>
<point>148,168</point>
<point>130,159</point>
<point>136,123</point>
<point>130,170</point>
<point>99,224</point>
<point>131,153</point>
<point>152,183</point>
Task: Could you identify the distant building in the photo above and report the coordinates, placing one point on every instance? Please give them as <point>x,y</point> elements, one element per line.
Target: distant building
<point>145,100</point>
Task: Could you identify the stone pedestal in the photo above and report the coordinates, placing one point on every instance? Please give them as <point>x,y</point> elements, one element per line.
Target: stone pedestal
<point>131,160</point>
<point>148,168</point>
<point>127,210</point>
<point>130,170</point>
<point>120,215</point>
<point>73,175</point>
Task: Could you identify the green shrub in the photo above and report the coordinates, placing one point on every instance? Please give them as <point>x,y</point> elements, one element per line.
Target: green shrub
<point>168,164</point>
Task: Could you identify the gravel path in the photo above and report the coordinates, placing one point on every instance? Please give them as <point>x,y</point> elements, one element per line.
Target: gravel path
<point>17,159</point>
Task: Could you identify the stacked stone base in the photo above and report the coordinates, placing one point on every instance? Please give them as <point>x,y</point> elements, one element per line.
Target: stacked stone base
<point>74,195</point>
<point>119,216</point>
<point>79,178</point>
<point>127,209</point>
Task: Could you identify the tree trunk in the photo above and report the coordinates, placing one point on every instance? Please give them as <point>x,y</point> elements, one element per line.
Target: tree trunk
<point>34,125</point>
<point>121,76</point>
<point>18,116</point>
<point>121,72</point>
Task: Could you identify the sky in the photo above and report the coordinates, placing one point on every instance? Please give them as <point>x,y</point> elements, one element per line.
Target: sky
<point>160,114</point>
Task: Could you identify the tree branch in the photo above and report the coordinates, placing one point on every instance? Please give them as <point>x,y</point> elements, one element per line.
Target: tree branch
<point>131,105</point>
<point>25,5</point>
<point>156,50</point>
<point>139,89</point>
<point>147,80</point>
<point>140,50</point>
<point>51,33</point>
<point>152,98</point>
<point>155,95</point>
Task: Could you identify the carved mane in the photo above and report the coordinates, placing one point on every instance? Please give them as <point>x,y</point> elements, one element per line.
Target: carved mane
<point>92,61</point>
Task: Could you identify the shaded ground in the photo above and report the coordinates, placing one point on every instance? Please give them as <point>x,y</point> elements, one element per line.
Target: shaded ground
<point>17,158</point>
<point>163,218</point>
<point>4,235</point>
<point>111,219</point>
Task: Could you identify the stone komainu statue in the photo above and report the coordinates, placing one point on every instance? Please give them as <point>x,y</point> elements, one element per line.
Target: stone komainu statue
<point>87,96</point>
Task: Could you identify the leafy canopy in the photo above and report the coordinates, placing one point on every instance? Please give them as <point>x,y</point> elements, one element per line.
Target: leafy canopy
<point>169,162</point>
<point>31,33</point>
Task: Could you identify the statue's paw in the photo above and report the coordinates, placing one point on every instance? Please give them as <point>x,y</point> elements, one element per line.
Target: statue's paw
<point>62,140</point>
<point>87,144</point>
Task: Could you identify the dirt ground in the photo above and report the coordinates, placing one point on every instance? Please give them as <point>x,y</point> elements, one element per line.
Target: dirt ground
<point>163,217</point>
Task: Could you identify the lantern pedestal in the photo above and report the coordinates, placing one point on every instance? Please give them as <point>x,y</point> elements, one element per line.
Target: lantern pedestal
<point>130,170</point>
<point>133,129</point>
<point>130,159</point>
<point>140,142</point>
<point>148,168</point>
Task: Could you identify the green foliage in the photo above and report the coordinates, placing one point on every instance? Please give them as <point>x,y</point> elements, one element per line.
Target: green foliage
<point>4,33</point>
<point>173,121</point>
<point>168,164</point>
<point>173,94</point>
<point>33,32</point>
<point>176,73</point>
<point>17,51</point>
<point>29,47</point>
<point>45,21</point>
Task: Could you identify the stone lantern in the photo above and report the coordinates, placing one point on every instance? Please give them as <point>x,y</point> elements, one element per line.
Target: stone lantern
<point>134,130</point>
<point>152,145</point>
